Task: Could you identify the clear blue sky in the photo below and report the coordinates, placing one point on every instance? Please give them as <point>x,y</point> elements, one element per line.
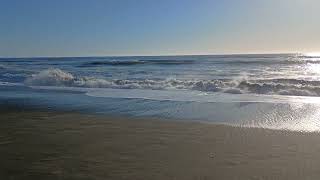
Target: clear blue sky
<point>157,27</point>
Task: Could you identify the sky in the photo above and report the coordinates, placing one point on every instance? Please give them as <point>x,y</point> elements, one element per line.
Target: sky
<point>157,27</point>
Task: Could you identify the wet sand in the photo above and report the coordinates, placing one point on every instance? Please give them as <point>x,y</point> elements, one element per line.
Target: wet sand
<point>62,145</point>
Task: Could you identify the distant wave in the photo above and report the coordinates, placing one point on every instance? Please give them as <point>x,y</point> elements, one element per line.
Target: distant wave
<point>137,62</point>
<point>268,62</point>
<point>114,63</point>
<point>2,66</point>
<point>13,75</point>
<point>2,83</point>
<point>57,77</point>
<point>184,62</point>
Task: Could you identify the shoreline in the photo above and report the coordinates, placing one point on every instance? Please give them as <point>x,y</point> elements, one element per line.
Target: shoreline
<point>68,145</point>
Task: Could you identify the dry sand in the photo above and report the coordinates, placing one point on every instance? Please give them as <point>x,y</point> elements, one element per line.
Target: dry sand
<point>56,145</point>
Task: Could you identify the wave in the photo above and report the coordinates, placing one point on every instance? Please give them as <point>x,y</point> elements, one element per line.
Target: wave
<point>57,77</point>
<point>267,62</point>
<point>185,62</point>
<point>2,66</point>
<point>11,75</point>
<point>138,62</point>
<point>3,83</point>
<point>115,63</point>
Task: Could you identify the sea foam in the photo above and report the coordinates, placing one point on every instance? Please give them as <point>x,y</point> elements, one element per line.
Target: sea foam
<point>58,77</point>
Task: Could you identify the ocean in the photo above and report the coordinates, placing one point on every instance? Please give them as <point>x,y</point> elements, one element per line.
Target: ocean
<point>276,91</point>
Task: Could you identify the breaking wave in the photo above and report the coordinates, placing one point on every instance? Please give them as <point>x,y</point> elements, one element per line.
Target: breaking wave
<point>57,77</point>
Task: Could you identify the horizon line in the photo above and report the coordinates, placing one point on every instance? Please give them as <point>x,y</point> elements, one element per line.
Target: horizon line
<point>204,54</point>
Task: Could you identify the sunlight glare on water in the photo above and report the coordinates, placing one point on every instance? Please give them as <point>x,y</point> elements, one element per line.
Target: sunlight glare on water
<point>312,54</point>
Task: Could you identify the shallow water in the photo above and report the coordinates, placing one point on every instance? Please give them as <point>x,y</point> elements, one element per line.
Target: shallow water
<point>271,91</point>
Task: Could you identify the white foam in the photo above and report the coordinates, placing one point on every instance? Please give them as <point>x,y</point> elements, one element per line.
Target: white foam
<point>10,84</point>
<point>54,77</point>
<point>290,87</point>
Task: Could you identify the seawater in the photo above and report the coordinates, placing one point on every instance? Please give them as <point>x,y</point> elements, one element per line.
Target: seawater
<point>278,91</point>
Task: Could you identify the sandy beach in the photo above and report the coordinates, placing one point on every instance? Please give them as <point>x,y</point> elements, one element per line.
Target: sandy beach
<point>159,90</point>
<point>64,145</point>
